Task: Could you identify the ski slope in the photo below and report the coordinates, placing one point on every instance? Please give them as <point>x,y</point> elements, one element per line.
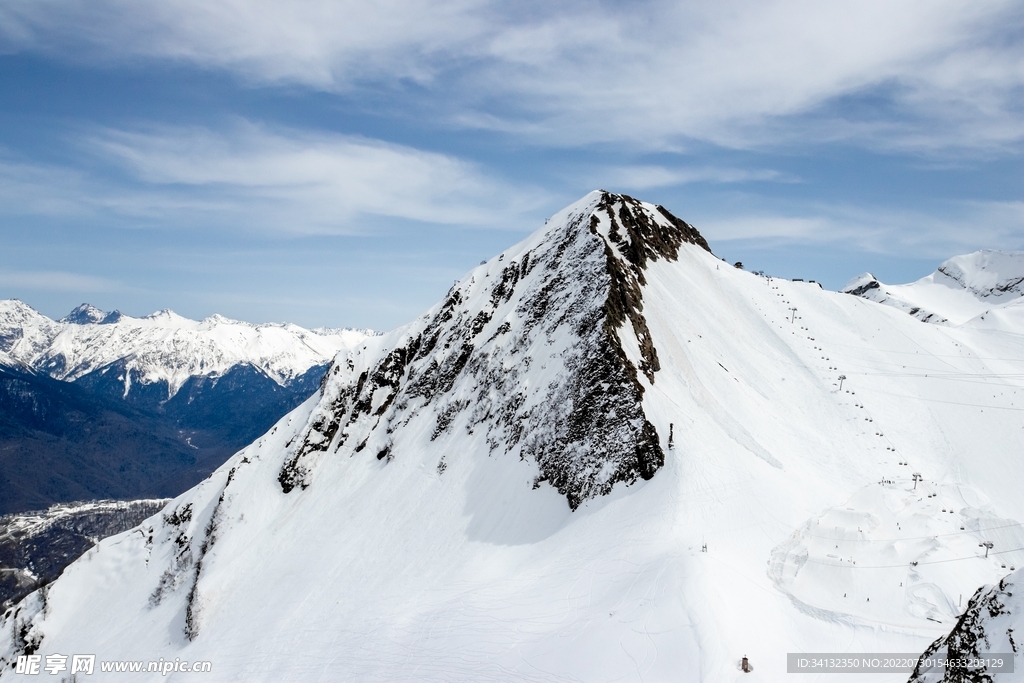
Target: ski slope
<point>410,547</point>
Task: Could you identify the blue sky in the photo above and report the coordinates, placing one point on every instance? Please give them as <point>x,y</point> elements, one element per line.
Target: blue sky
<point>341,163</point>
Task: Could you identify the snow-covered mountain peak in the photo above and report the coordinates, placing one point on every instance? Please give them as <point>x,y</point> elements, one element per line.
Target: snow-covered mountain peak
<point>988,274</point>
<point>24,331</point>
<point>961,288</point>
<point>535,352</point>
<point>168,318</point>
<point>84,314</point>
<point>15,311</point>
<point>218,319</point>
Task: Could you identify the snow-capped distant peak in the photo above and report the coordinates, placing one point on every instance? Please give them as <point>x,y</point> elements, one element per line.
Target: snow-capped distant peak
<point>84,314</point>
<point>24,331</point>
<point>961,288</point>
<point>861,284</point>
<point>988,274</point>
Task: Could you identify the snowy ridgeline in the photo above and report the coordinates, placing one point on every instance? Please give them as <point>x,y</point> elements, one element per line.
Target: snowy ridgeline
<point>969,289</point>
<point>604,456</point>
<point>162,348</point>
<point>36,546</point>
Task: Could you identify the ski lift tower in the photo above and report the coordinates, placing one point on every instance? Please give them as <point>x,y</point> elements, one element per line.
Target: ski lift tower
<point>793,319</point>
<point>917,478</point>
<point>987,545</point>
<point>841,378</point>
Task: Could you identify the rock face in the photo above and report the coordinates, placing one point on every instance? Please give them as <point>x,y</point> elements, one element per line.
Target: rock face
<point>567,310</point>
<point>992,624</point>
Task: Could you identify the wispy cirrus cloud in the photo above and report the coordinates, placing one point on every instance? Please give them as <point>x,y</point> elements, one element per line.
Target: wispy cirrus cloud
<point>910,76</point>
<point>55,281</point>
<point>273,180</point>
<point>955,227</point>
<point>645,177</point>
<point>325,44</point>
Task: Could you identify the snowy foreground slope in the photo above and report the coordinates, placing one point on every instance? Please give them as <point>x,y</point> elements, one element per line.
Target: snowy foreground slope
<point>962,288</point>
<point>162,348</point>
<point>518,486</point>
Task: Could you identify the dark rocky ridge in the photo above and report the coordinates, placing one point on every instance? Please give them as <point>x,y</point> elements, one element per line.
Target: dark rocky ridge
<point>864,288</point>
<point>577,290</point>
<point>974,636</point>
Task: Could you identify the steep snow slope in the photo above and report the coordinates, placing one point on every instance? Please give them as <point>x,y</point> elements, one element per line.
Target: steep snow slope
<point>519,484</point>
<point>960,289</point>
<point>163,347</point>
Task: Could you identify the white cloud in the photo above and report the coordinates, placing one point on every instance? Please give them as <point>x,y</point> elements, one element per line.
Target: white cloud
<point>954,227</point>
<point>644,177</point>
<point>54,281</point>
<point>322,43</point>
<point>281,180</point>
<point>934,74</point>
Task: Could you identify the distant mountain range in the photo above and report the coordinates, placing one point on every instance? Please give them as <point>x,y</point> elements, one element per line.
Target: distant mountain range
<point>962,288</point>
<point>105,405</point>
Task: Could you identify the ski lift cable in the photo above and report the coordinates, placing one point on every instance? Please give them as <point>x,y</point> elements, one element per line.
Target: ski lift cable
<point>931,372</point>
<point>913,564</point>
<point>981,381</point>
<point>978,380</point>
<point>934,355</point>
<point>922,353</point>
<point>954,403</point>
<point>872,364</point>
<point>917,355</point>
<point>926,374</point>
<point>915,538</point>
<point>880,355</point>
